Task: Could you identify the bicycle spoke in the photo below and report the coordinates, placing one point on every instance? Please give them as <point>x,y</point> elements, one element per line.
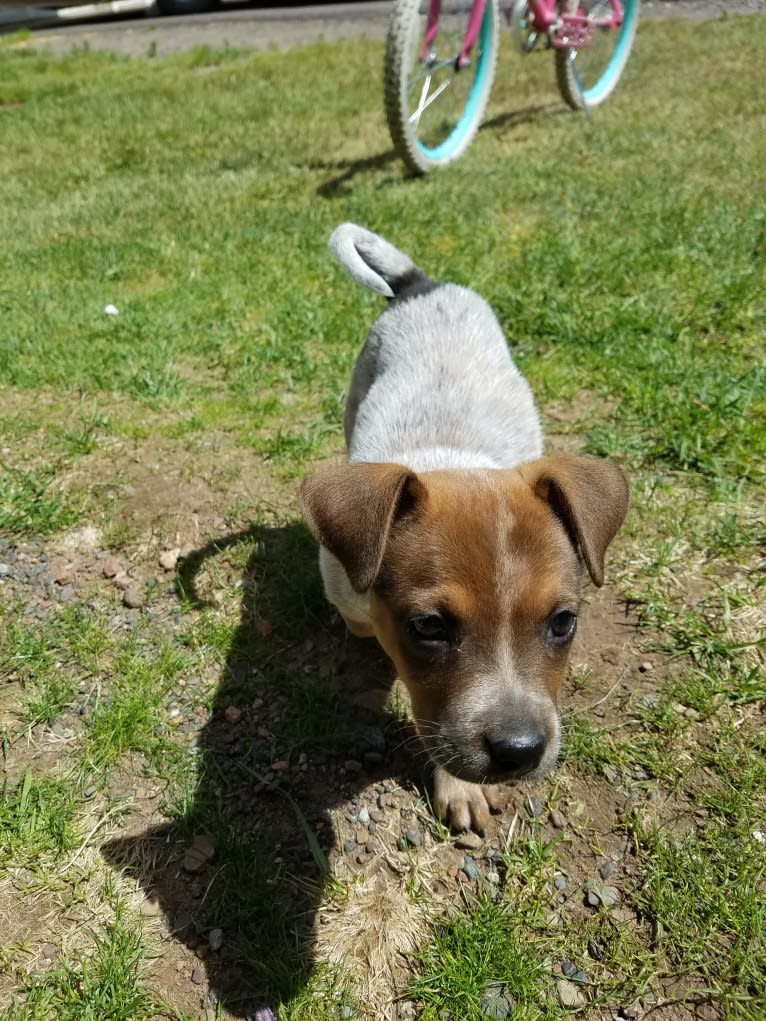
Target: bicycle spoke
<point>426,102</point>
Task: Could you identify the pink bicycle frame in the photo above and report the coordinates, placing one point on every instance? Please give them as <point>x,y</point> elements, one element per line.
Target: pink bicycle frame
<point>564,29</point>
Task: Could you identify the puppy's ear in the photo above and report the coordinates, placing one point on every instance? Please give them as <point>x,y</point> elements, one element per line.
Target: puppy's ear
<point>350,510</point>
<point>590,497</point>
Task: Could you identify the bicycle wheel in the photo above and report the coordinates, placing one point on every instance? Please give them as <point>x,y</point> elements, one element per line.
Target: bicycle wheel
<point>433,107</point>
<point>587,76</point>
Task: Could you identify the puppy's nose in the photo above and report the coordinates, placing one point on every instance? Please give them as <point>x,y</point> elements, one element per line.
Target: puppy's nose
<point>518,751</point>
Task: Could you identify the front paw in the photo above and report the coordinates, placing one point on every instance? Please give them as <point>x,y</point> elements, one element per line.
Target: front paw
<point>462,805</point>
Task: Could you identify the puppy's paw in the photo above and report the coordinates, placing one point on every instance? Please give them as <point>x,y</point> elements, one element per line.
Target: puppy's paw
<point>462,805</point>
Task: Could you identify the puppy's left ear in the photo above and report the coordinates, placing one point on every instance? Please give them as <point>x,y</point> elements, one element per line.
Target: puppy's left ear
<point>590,497</point>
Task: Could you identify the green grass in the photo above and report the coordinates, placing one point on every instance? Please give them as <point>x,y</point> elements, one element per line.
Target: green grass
<point>625,258</point>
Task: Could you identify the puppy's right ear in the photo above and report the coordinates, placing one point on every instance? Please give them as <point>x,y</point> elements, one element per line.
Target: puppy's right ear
<point>350,509</point>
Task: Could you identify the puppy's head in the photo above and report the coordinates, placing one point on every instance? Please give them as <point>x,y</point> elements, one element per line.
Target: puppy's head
<point>474,581</point>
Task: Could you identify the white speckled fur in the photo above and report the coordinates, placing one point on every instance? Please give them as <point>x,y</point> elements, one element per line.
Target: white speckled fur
<point>435,385</point>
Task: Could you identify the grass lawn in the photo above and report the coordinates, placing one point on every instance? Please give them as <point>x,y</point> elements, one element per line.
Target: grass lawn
<point>206,810</point>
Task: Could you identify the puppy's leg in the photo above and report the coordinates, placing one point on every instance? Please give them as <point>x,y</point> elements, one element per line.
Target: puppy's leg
<point>463,805</point>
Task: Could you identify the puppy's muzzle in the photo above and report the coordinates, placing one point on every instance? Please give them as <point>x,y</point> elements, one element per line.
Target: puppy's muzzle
<point>517,751</point>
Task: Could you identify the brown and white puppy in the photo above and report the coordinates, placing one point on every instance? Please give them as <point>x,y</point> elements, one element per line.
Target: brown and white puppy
<point>449,538</point>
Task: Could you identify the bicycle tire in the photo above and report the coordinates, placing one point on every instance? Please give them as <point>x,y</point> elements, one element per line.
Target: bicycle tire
<point>427,142</point>
<point>587,76</point>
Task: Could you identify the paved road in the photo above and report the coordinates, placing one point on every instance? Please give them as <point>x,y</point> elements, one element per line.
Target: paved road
<point>238,25</point>
<point>260,28</point>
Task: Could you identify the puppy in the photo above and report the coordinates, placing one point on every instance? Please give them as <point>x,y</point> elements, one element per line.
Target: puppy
<point>449,537</point>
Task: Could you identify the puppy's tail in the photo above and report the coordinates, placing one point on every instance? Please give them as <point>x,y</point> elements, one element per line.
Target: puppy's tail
<point>374,262</point>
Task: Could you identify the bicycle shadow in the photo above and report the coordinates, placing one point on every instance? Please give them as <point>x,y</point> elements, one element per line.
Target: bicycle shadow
<point>340,184</point>
<point>528,115</point>
<point>240,872</point>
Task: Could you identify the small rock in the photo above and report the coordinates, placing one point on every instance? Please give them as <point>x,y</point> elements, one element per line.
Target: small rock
<point>66,594</point>
<point>634,1012</point>
<point>370,739</point>
<point>110,567</point>
<point>349,846</point>
<point>89,791</point>
<point>560,883</point>
<point>568,968</point>
<point>352,766</point>
<point>607,869</point>
<point>371,847</point>
<point>493,877</point>
<point>198,976</point>
<point>595,950</point>
<point>469,841</point>
<point>132,598</point>
<point>122,581</point>
<point>48,950</point>
<point>609,895</point>
<point>149,907</point>
<point>262,1014</point>
<point>558,819</point>
<point>469,868</point>
<point>200,852</point>
<point>497,1001</point>
<point>280,765</point>
<point>232,714</point>
<point>646,667</point>
<point>413,837</point>
<point>569,994</point>
<point>362,836</point>
<point>215,939</point>
<point>533,807</point>
<point>168,559</point>
<point>5,570</point>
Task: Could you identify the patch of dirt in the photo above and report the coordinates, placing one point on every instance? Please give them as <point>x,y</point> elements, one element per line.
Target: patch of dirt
<point>177,511</point>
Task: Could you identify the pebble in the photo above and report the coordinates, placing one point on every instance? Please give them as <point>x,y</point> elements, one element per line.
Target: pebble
<point>646,667</point>
<point>48,950</point>
<point>168,559</point>
<point>534,807</point>
<point>557,819</point>
<point>569,994</point>
<point>413,837</point>
<point>607,869</point>
<point>133,599</point>
<point>215,939</point>
<point>497,1001</point>
<point>469,841</point>
<point>232,713</point>
<point>353,766</point>
<point>363,815</point>
<point>606,895</point>
<point>560,883</point>
<point>110,567</point>
<point>349,846</point>
<point>5,570</point>
<point>198,976</point>
<point>469,868</point>
<point>149,907</point>
<point>200,852</point>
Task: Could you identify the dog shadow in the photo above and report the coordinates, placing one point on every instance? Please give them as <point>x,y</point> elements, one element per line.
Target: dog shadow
<point>295,731</point>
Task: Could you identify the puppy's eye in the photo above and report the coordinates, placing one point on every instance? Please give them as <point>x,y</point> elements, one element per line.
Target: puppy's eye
<point>561,626</point>
<point>429,627</point>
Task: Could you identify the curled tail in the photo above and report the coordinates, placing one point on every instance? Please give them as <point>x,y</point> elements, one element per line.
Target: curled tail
<point>374,262</point>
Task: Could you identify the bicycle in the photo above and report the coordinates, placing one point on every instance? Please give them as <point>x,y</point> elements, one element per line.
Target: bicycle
<point>441,57</point>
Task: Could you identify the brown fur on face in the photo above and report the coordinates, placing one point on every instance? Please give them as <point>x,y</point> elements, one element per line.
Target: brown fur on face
<point>496,555</point>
